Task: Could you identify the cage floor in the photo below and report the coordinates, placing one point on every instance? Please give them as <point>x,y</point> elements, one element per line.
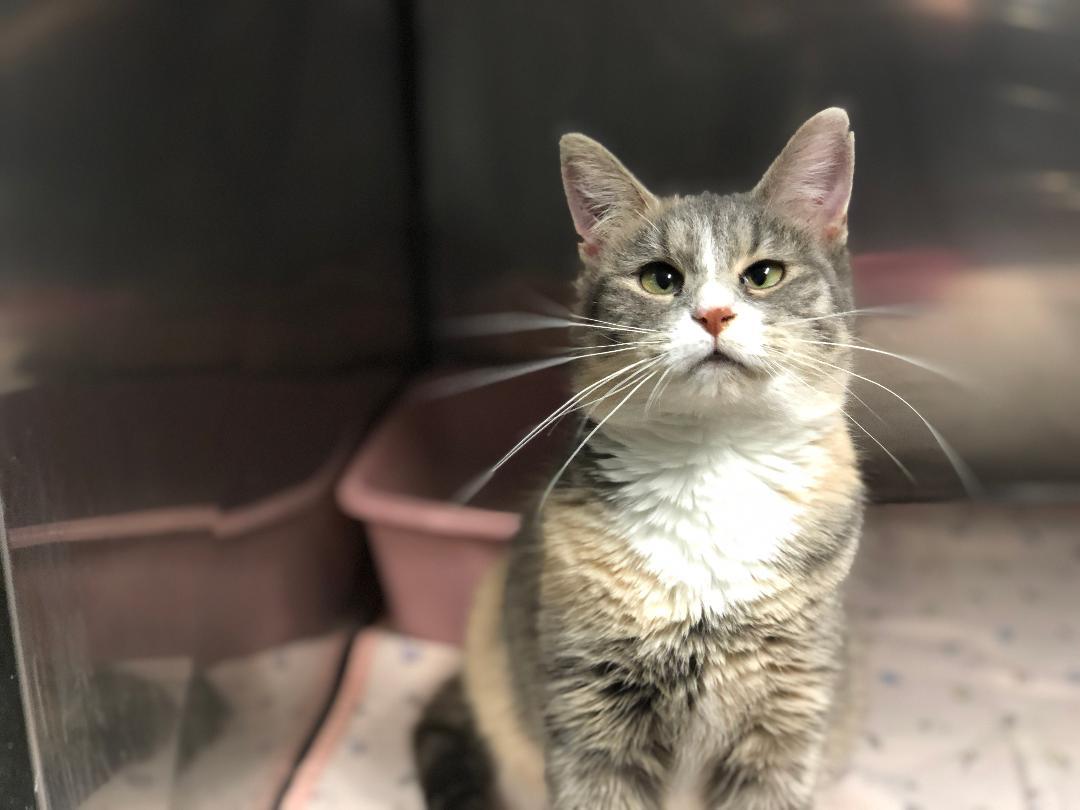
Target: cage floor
<point>268,700</point>
<point>970,625</point>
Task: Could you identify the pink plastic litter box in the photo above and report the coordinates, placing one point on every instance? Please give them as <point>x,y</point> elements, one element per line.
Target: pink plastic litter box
<point>431,551</point>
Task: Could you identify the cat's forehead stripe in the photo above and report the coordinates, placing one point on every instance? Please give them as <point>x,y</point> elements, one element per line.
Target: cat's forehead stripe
<point>707,248</point>
<point>707,236</point>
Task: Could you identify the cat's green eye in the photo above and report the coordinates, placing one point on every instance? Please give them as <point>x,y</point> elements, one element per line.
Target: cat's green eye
<point>762,275</point>
<point>660,278</point>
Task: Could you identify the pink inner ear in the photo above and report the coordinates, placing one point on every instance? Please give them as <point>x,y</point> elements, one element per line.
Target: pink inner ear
<point>814,184</point>
<point>835,200</point>
<point>837,227</point>
<point>584,219</point>
<point>826,164</point>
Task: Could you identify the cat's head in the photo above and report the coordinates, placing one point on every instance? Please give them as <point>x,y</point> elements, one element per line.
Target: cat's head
<point>722,303</point>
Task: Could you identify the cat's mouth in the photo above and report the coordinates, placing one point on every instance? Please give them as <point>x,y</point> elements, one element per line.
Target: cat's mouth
<point>717,358</point>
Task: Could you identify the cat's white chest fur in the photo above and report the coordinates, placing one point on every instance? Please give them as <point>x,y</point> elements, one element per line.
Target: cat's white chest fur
<point>708,516</point>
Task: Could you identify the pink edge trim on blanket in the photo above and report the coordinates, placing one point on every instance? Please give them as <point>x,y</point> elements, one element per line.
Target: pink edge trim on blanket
<point>329,736</point>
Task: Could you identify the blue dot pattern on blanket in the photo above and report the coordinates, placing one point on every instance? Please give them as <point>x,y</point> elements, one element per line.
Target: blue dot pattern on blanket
<point>967,628</point>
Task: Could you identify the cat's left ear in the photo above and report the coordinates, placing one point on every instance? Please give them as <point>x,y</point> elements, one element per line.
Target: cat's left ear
<point>602,193</point>
<point>810,182</point>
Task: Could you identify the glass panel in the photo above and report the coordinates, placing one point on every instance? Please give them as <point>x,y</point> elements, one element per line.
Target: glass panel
<point>189,350</point>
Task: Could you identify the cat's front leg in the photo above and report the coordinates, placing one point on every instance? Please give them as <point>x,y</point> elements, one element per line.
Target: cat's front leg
<point>604,749</point>
<point>591,780</point>
<point>764,771</point>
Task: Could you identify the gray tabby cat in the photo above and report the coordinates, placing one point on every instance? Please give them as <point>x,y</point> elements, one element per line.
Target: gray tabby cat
<point>667,630</point>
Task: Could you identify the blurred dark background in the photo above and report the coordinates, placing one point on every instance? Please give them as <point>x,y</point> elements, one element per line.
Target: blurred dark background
<point>229,232</point>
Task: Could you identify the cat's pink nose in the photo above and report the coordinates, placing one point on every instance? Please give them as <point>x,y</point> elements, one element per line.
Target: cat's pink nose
<point>714,320</point>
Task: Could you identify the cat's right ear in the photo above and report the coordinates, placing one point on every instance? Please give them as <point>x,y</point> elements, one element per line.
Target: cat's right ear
<point>810,183</point>
<point>601,192</point>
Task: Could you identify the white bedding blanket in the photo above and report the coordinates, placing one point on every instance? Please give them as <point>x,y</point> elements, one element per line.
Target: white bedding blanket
<point>970,620</point>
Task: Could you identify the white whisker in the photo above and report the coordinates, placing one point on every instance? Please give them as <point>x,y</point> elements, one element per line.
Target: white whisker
<point>664,388</point>
<point>467,492</point>
<point>654,397</point>
<point>499,323</point>
<point>616,325</point>
<point>948,375</point>
<point>610,346</point>
<point>896,461</point>
<point>504,323</point>
<point>900,465</point>
<point>886,450</point>
<point>622,386</point>
<point>963,472</point>
<point>479,378</point>
<point>585,441</point>
<point>866,405</point>
<point>550,305</point>
<point>899,311</point>
<point>852,393</point>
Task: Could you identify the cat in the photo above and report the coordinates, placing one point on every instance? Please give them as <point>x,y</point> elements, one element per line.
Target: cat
<point>667,630</point>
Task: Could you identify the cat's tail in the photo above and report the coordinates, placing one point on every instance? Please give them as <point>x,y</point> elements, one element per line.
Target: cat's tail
<point>453,763</point>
